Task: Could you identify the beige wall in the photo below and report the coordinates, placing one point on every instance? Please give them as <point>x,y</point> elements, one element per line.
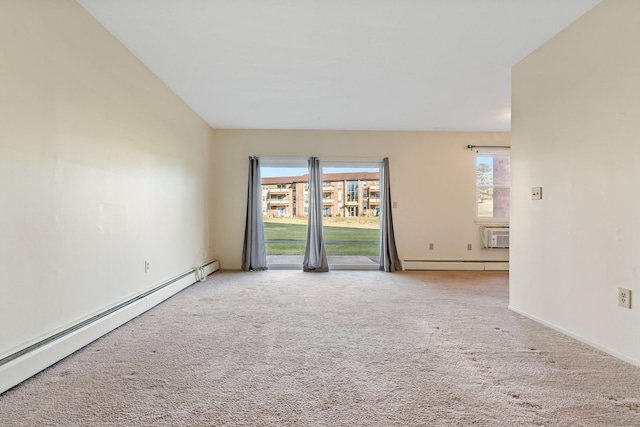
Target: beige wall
<point>432,177</point>
<point>576,133</point>
<point>101,168</point>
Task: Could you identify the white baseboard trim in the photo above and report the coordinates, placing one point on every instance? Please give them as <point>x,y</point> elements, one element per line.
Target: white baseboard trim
<point>456,265</point>
<point>18,369</point>
<point>580,338</point>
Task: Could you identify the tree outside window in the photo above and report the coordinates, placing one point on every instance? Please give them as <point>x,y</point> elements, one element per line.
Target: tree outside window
<point>493,177</point>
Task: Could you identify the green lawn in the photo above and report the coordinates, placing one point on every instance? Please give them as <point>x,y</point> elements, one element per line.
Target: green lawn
<point>349,240</point>
<point>282,231</point>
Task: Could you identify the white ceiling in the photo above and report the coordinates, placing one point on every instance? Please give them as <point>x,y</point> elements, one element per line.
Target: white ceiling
<point>339,64</point>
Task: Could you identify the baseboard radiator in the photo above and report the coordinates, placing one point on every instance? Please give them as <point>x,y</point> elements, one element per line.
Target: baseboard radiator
<point>409,264</point>
<point>27,362</point>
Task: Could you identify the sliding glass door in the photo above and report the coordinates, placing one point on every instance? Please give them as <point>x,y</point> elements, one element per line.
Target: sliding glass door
<point>284,214</point>
<point>351,213</point>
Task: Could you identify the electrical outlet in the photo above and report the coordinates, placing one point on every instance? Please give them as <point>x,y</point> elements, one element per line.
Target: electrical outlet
<point>431,246</point>
<point>624,297</point>
<point>146,266</point>
<point>469,246</point>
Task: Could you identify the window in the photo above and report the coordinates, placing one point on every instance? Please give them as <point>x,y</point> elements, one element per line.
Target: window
<point>493,177</point>
<point>352,191</point>
<point>353,210</point>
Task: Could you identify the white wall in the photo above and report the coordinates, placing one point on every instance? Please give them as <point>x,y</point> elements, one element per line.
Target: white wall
<point>576,133</point>
<point>432,178</point>
<point>101,168</point>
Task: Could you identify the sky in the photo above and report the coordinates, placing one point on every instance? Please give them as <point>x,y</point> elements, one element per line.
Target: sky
<point>267,172</point>
<point>485,159</point>
<point>270,172</point>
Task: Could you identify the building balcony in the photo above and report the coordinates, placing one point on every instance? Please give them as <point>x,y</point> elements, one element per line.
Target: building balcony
<point>374,188</point>
<point>279,190</point>
<point>327,201</point>
<point>327,188</point>
<point>374,200</point>
<point>276,202</point>
<point>351,203</point>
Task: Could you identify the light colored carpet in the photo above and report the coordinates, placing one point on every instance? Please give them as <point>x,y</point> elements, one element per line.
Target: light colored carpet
<point>347,348</point>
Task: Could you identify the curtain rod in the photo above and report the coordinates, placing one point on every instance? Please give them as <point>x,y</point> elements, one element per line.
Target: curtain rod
<point>471,147</point>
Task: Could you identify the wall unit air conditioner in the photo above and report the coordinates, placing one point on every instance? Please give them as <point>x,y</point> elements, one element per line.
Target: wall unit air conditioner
<point>496,237</point>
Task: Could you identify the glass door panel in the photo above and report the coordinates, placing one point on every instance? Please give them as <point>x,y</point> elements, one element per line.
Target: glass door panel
<point>285,201</point>
<point>351,209</point>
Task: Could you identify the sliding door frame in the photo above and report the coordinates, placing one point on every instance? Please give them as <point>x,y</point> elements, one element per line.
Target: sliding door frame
<point>325,162</point>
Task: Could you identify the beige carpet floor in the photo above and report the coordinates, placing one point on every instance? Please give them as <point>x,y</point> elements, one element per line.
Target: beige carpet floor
<point>345,348</point>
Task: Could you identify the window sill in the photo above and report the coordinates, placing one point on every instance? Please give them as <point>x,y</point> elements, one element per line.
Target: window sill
<point>492,222</point>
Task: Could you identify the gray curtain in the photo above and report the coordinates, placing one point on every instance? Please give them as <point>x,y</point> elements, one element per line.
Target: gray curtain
<point>254,256</point>
<point>315,257</point>
<point>389,260</point>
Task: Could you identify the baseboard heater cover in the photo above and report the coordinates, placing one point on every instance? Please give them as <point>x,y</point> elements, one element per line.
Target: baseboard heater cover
<point>418,265</point>
<point>27,362</point>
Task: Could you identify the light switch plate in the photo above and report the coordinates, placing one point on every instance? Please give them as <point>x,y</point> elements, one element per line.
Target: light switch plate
<point>536,193</point>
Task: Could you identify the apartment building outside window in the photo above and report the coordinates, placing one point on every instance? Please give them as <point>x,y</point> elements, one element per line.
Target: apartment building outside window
<point>343,194</point>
